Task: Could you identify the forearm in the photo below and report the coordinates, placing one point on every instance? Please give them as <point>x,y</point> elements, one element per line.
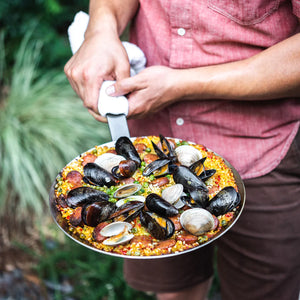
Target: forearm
<point>110,16</point>
<point>272,74</point>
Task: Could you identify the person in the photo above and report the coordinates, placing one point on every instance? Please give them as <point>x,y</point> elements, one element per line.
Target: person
<point>225,74</point>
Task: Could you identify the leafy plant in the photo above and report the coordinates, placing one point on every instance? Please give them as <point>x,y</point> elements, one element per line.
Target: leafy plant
<point>42,126</point>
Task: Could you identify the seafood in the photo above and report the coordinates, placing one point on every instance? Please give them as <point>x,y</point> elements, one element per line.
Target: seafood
<point>127,190</point>
<point>128,211</point>
<point>188,179</point>
<point>197,221</point>
<point>108,160</point>
<point>157,167</point>
<point>172,193</point>
<point>84,195</point>
<point>125,148</point>
<point>159,227</point>
<point>226,200</point>
<point>198,168</point>
<point>125,169</point>
<point>157,204</point>
<point>97,212</point>
<point>187,155</point>
<point>130,198</point>
<point>117,233</point>
<point>97,175</point>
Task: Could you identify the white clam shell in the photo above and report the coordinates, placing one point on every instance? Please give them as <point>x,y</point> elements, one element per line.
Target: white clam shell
<point>130,198</point>
<point>108,160</point>
<point>197,221</point>
<point>127,190</point>
<point>187,155</point>
<point>172,193</point>
<point>118,233</point>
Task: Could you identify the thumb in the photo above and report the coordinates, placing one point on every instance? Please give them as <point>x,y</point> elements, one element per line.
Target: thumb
<point>121,87</point>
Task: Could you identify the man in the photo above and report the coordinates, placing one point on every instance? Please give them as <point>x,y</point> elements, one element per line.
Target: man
<point>225,74</point>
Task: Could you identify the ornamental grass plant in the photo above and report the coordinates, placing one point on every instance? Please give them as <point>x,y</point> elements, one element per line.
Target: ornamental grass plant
<point>43,125</point>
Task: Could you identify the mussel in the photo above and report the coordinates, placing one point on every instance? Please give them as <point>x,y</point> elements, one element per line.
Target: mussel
<point>98,176</point>
<point>125,169</point>
<point>125,147</point>
<point>188,179</point>
<point>199,169</point>
<point>166,150</point>
<point>158,167</point>
<point>97,212</point>
<point>127,190</point>
<point>128,211</point>
<point>84,195</point>
<point>159,227</point>
<point>226,200</point>
<point>197,221</point>
<point>157,204</point>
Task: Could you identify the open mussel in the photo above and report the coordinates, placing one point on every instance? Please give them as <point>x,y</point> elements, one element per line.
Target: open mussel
<point>159,227</point>
<point>166,150</point>
<point>98,176</point>
<point>125,147</point>
<point>128,211</point>
<point>226,200</point>
<point>130,198</point>
<point>125,169</point>
<point>84,195</point>
<point>118,233</point>
<point>188,179</point>
<point>157,204</point>
<point>127,190</point>
<point>97,212</point>
<point>199,169</point>
<point>158,167</point>
<point>197,221</point>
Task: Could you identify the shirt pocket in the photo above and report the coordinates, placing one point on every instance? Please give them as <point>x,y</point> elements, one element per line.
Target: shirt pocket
<point>244,12</point>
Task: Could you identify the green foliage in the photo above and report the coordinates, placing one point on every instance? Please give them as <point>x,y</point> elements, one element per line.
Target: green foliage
<point>92,275</point>
<point>49,19</point>
<point>43,125</point>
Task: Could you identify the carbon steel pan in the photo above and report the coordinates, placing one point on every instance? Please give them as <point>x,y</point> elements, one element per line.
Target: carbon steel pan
<point>63,225</point>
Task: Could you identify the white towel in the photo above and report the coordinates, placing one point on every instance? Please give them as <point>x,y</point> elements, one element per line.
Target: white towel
<point>137,60</point>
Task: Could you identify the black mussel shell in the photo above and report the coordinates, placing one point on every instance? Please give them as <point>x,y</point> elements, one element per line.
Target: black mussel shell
<point>97,175</point>
<point>200,197</point>
<point>97,212</point>
<point>198,167</point>
<point>159,227</point>
<point>128,211</point>
<point>84,195</point>
<point>207,174</point>
<point>157,204</point>
<point>188,179</point>
<point>125,147</point>
<point>157,166</point>
<point>226,200</point>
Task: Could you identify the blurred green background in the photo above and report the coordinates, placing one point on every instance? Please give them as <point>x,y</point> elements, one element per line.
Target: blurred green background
<point>43,125</point>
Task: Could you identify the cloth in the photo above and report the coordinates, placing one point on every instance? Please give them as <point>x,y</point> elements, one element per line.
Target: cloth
<point>136,57</point>
<point>185,34</point>
<point>258,258</point>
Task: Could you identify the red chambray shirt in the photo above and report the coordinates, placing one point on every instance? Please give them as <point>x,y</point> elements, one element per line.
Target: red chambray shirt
<point>253,135</point>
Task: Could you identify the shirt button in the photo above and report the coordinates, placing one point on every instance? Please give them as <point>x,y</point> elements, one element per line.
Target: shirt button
<point>181,31</point>
<point>179,121</point>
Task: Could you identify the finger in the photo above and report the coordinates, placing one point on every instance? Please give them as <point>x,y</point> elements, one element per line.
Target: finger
<point>97,116</point>
<point>123,87</point>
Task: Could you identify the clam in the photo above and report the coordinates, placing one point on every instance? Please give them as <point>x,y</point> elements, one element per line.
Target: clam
<point>117,233</point>
<point>172,193</point>
<point>127,190</point>
<point>187,155</point>
<point>108,160</point>
<point>197,221</point>
<point>130,198</point>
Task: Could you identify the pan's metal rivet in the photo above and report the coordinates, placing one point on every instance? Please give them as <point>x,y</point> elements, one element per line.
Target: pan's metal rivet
<point>179,121</point>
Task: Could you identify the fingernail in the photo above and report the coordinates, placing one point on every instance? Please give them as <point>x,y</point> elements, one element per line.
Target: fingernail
<point>110,90</point>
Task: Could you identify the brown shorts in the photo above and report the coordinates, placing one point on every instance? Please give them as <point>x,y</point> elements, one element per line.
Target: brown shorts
<point>257,259</point>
